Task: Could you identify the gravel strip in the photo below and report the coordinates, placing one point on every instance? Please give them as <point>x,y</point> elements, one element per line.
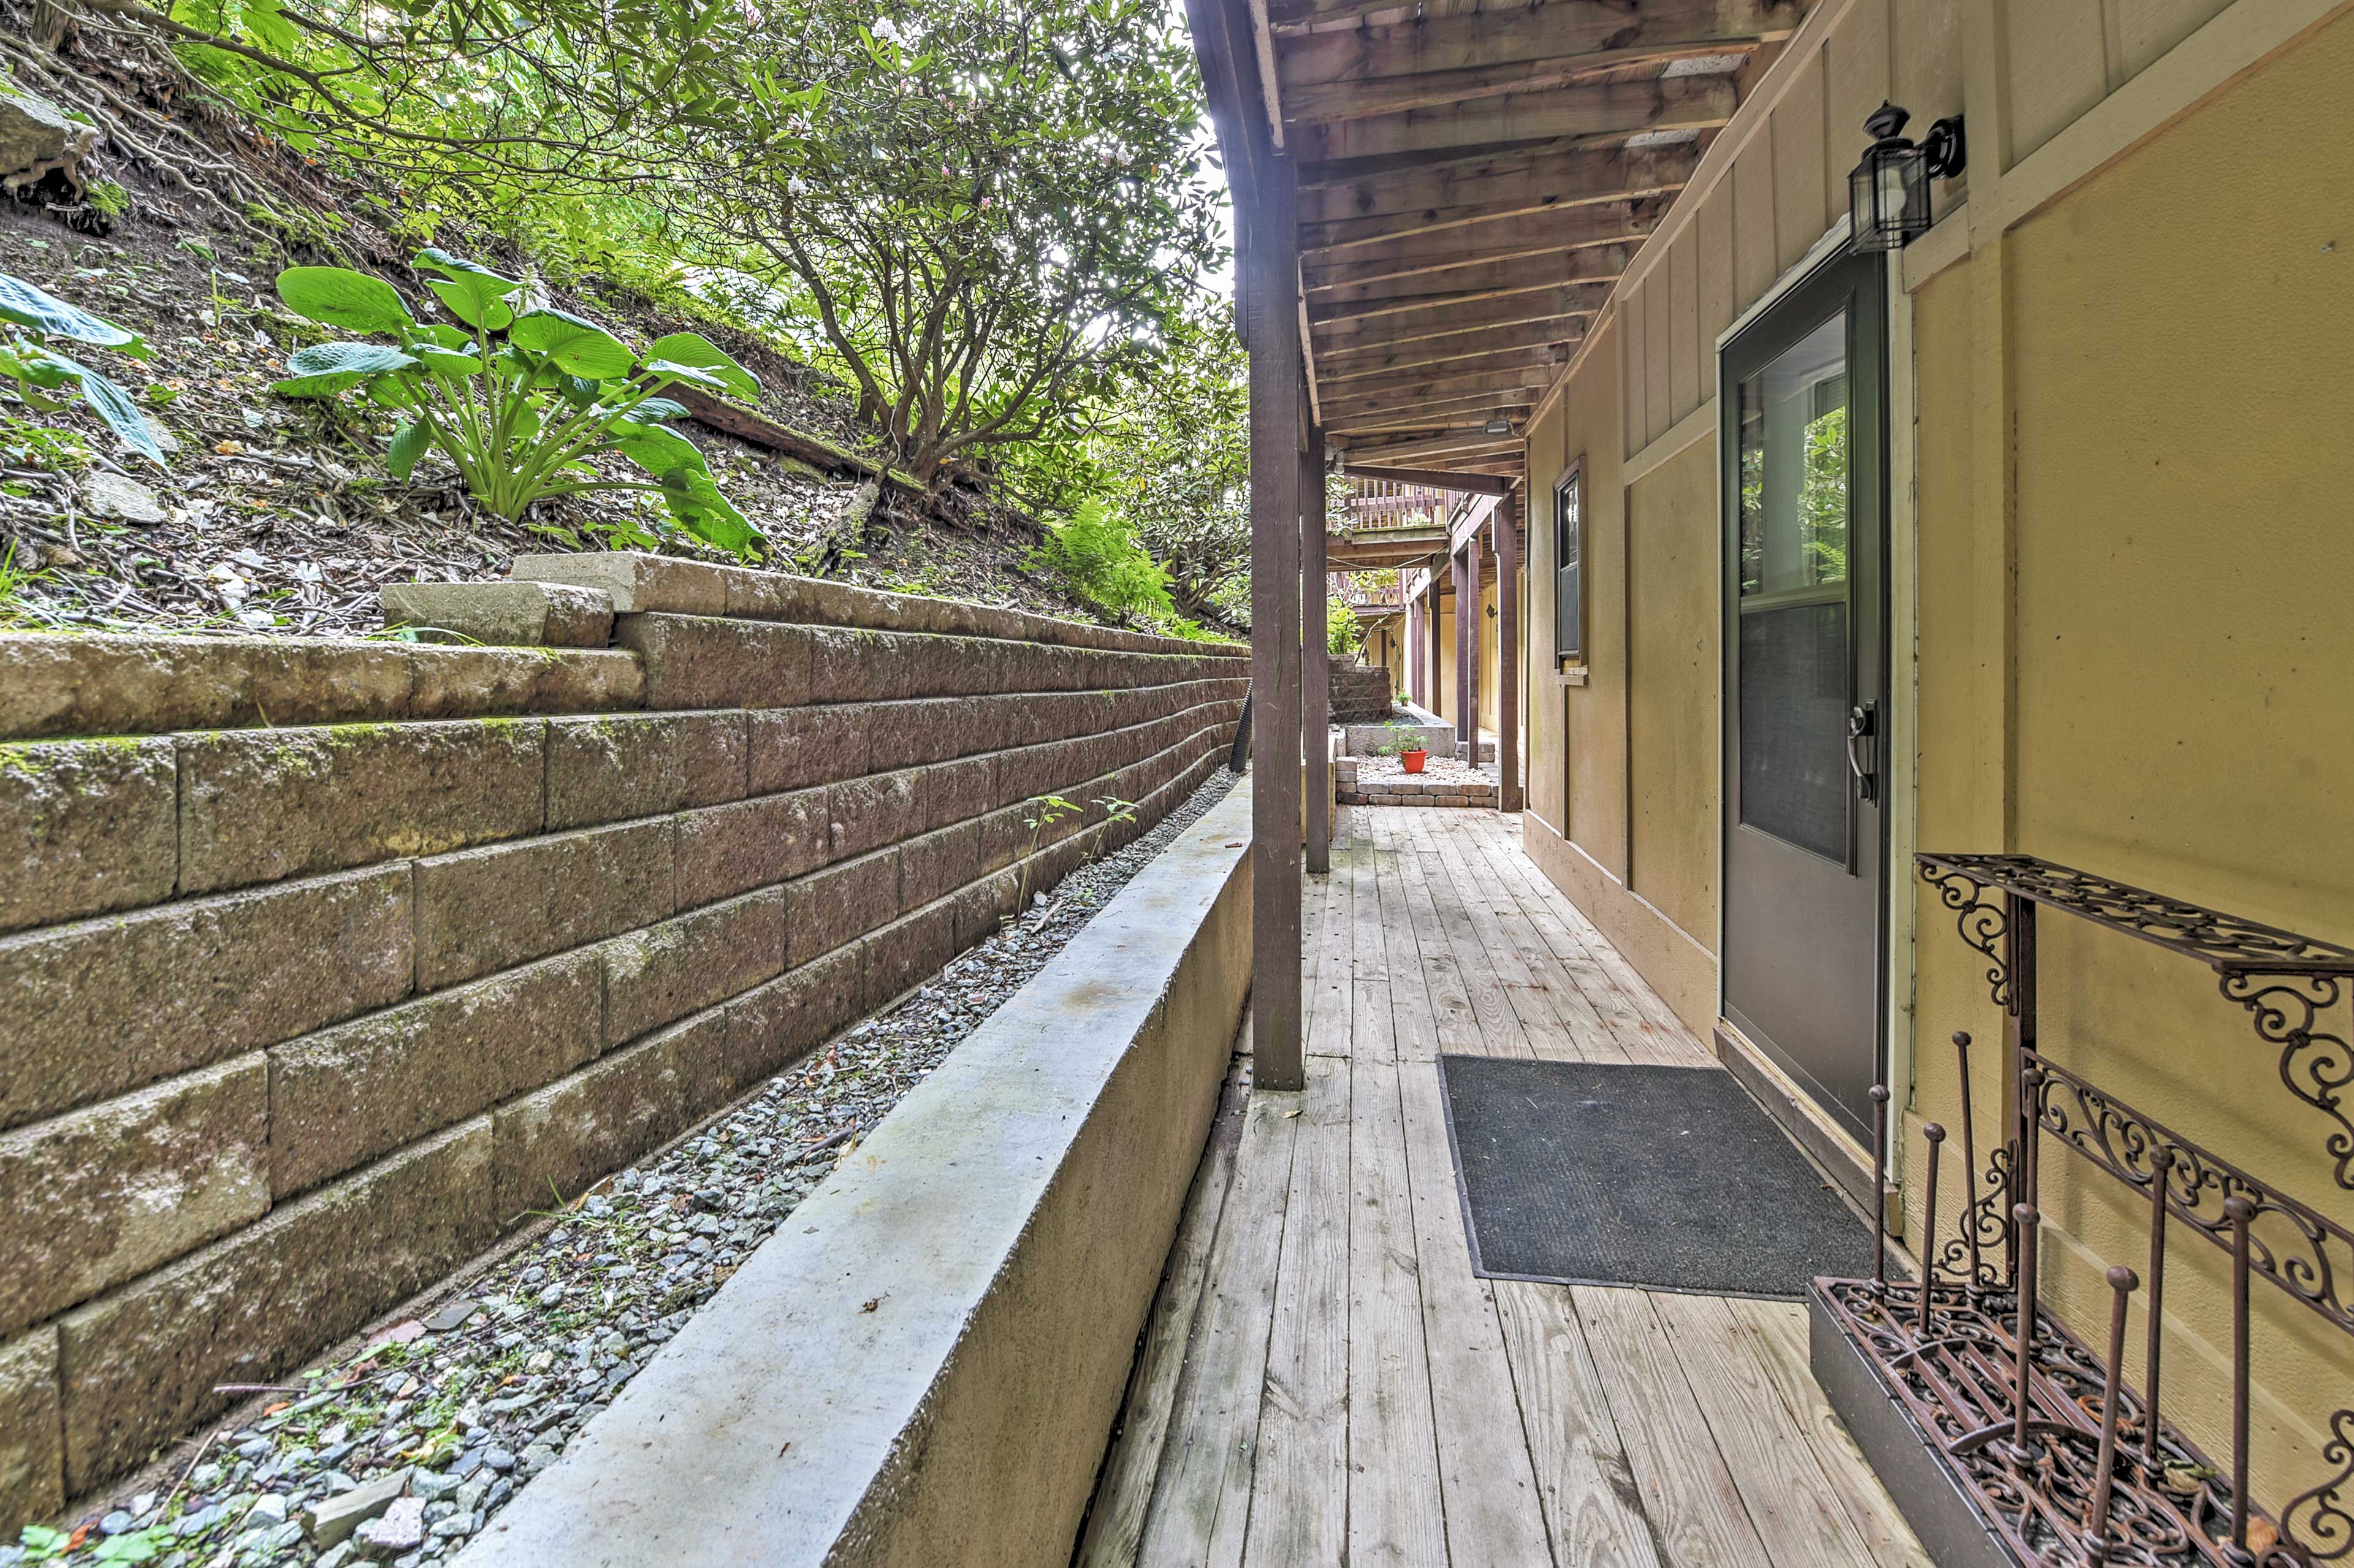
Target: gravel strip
<point>432,1424</point>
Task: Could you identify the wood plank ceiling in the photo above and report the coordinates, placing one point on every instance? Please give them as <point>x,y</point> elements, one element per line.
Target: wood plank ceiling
<point>1472,176</point>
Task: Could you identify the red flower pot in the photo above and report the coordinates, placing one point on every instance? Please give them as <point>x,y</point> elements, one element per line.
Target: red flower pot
<point>1414,760</point>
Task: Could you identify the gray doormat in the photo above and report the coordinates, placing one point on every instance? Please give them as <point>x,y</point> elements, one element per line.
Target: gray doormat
<point>1669,1178</point>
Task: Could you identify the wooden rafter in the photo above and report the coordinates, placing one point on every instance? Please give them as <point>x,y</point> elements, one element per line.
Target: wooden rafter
<point>1432,256</point>
<point>1343,370</point>
<point>1612,111</point>
<point>1469,282</point>
<point>1323,103</point>
<point>1391,329</point>
<point>1531,33</point>
<point>1385,207</point>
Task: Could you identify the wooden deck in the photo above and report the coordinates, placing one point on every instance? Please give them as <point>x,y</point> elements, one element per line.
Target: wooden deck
<point>1324,1381</point>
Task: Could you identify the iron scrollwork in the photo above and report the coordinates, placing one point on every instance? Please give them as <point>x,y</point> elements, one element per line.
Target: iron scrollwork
<point>2314,1065</point>
<point>1982,925</point>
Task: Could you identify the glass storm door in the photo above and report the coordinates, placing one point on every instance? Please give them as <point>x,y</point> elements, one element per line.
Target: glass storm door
<point>1806,701</point>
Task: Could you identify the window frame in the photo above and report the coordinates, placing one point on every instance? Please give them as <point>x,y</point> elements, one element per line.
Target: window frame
<point>1568,531</point>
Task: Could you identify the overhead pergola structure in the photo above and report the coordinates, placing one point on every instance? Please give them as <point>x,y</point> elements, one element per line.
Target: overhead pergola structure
<point>1431,202</point>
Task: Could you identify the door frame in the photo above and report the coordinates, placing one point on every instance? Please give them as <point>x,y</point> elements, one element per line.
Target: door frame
<point>1894,961</point>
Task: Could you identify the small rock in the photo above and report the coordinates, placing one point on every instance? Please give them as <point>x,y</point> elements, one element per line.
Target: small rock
<point>268,1507</point>
<point>335,1519</point>
<point>551,1295</point>
<point>457,1525</point>
<point>336,1556</point>
<point>399,1528</point>
<point>498,1461</point>
<point>432,1486</point>
<point>535,1458</point>
<point>452,1316</point>
<point>116,1523</point>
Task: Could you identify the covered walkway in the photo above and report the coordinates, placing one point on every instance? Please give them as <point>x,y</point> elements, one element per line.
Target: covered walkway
<point>1325,1379</point>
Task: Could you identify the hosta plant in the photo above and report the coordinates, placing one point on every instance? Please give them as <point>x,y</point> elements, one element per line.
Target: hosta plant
<point>47,379</point>
<point>520,399</point>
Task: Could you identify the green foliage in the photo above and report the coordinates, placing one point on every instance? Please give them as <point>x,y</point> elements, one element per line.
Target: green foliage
<point>521,398</point>
<point>39,1543</point>
<point>1401,738</point>
<point>1342,632</point>
<point>45,378</point>
<point>1102,562</point>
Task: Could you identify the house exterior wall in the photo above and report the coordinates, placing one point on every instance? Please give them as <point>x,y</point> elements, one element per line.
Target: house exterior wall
<point>2124,529</point>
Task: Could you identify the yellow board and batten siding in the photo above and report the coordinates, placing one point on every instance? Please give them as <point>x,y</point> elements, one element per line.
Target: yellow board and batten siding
<point>2132,434</point>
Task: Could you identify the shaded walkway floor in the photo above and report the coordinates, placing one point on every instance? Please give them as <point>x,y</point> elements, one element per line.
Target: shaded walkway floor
<point>1325,1381</point>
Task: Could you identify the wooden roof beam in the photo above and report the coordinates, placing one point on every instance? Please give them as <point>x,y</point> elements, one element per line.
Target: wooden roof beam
<point>1323,103</point>
<point>1434,405</point>
<point>1473,483</point>
<point>1603,176</point>
<point>1574,303</point>
<point>1519,366</point>
<point>1471,284</point>
<point>1336,368</point>
<point>1611,110</point>
<point>1427,262</point>
<point>1601,223</point>
<point>1487,39</point>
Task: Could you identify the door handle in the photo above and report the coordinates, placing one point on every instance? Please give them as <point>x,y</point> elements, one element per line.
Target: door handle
<point>1864,750</point>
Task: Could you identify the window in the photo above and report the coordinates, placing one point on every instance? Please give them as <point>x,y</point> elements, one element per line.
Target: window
<point>1569,558</point>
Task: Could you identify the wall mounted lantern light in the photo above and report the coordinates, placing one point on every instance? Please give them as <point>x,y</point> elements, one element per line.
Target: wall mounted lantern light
<point>1890,188</point>
<point>1498,426</point>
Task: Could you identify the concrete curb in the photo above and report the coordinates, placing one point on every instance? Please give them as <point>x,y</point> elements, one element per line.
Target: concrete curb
<point>923,1367</point>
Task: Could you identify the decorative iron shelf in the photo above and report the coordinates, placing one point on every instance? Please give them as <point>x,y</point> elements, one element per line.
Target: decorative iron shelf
<point>2285,979</point>
<point>2059,1460</point>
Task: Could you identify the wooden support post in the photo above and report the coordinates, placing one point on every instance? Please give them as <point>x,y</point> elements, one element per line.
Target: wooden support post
<point>1271,270</point>
<point>1467,648</point>
<point>1435,684</point>
<point>1508,654</point>
<point>1316,663</point>
<point>1413,623</point>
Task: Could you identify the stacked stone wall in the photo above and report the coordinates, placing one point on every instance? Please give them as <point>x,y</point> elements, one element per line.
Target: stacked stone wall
<point>325,964</point>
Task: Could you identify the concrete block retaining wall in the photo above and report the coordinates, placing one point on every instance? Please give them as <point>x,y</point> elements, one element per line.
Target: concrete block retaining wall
<point>325,963</point>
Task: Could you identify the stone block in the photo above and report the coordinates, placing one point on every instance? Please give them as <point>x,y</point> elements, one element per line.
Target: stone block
<point>105,1006</point>
<point>139,1367</point>
<point>787,1018</point>
<point>793,748</point>
<point>1005,836</point>
<point>93,824</point>
<point>641,765</point>
<point>32,1435</point>
<point>702,662</point>
<point>557,1144</point>
<point>265,805</point>
<point>726,849</point>
<point>868,813</point>
<point>634,582</point>
<point>936,865</point>
<point>948,792</point>
<point>107,684</point>
<point>477,683</point>
<point>100,1196</point>
<point>835,907</point>
<point>660,974</point>
<point>910,734</point>
<point>981,907</point>
<point>345,1095</point>
<point>502,615</point>
<point>903,952</point>
<point>487,909</point>
<point>860,665</point>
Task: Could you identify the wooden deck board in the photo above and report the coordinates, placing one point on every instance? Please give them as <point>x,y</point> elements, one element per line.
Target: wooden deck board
<point>1351,1391</point>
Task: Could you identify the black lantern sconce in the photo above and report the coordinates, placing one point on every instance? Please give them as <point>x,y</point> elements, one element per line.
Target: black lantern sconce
<point>1890,188</point>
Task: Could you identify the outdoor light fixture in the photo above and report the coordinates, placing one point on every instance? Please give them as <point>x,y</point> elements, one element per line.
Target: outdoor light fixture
<point>1890,188</point>
<point>1498,426</point>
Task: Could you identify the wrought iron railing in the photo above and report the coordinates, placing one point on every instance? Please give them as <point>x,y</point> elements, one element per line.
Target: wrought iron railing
<point>2063,1461</point>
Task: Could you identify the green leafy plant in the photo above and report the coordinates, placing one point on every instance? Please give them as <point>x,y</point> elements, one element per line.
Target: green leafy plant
<point>1102,562</point>
<point>41,1544</point>
<point>520,399</point>
<point>1343,631</point>
<point>1402,738</point>
<point>45,378</point>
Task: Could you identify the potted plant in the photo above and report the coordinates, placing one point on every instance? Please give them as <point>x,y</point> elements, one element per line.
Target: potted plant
<point>1405,743</point>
